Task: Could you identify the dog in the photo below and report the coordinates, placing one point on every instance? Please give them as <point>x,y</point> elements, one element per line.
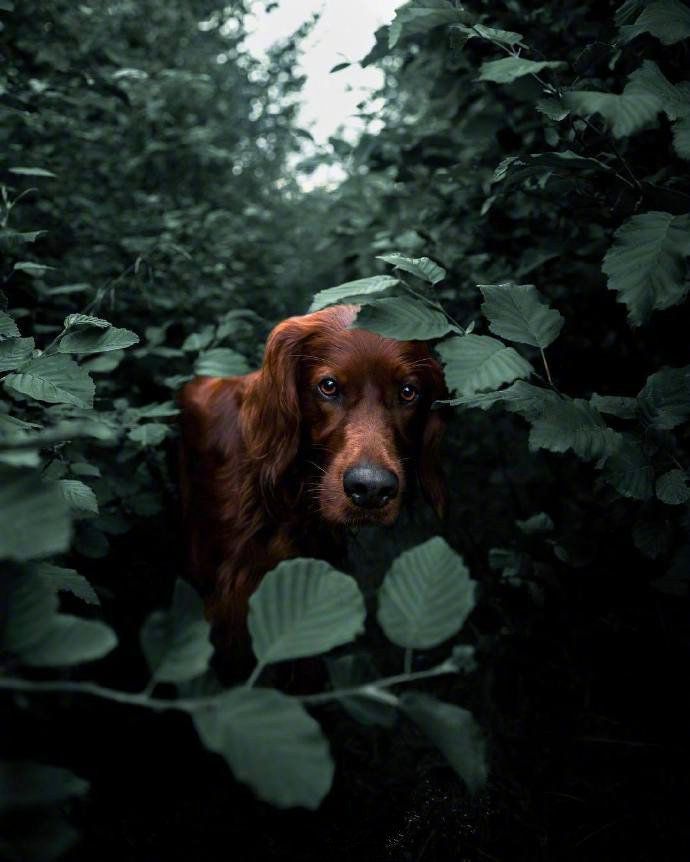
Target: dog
<point>280,462</point>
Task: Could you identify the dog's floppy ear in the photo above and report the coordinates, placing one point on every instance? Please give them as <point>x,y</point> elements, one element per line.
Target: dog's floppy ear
<point>429,470</point>
<point>273,417</point>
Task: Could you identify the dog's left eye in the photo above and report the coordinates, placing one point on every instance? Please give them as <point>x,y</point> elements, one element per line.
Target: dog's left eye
<point>328,387</point>
<point>408,393</point>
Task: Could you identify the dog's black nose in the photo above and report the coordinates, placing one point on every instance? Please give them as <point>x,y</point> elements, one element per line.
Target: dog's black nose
<point>370,487</point>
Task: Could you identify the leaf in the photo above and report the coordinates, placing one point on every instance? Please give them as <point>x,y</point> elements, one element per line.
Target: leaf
<point>66,580</point>
<point>630,471</point>
<point>508,69</point>
<point>221,362</point>
<point>477,362</point>
<point>665,398</point>
<point>150,434</point>
<point>199,340</point>
<point>672,488</point>
<point>426,596</point>
<point>176,642</point>
<point>540,523</point>
<point>623,114</point>
<point>26,785</point>
<point>646,265</point>
<point>34,517</point>
<point>43,638</point>
<point>55,379</point>
<point>339,67</point>
<point>367,706</point>
<point>303,607</point>
<point>32,172</point>
<point>572,423</point>
<point>648,79</point>
<point>454,731</point>
<point>615,405</point>
<point>8,328</point>
<point>79,497</point>
<point>85,320</point>
<point>35,270</point>
<point>513,170</point>
<point>270,743</point>
<point>14,352</point>
<point>353,291</point>
<point>517,312</point>
<point>504,37</point>
<point>667,20</point>
<point>422,267</point>
<point>419,16</point>
<point>90,340</point>
<point>403,318</point>
<point>681,138</point>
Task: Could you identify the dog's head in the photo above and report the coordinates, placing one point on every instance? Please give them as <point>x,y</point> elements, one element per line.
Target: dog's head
<point>353,410</point>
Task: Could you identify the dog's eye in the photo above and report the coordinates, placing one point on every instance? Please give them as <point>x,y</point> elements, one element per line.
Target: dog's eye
<point>408,393</point>
<point>328,387</point>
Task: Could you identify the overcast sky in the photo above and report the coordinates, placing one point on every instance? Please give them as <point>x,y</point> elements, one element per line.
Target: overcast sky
<point>345,32</point>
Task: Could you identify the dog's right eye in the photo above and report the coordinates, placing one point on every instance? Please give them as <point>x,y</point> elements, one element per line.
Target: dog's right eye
<point>328,387</point>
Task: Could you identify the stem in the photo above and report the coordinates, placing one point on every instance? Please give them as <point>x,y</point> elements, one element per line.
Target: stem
<point>407,661</point>
<point>254,674</point>
<point>546,367</point>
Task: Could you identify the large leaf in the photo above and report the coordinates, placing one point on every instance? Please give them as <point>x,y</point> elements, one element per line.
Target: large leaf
<point>41,637</point>
<point>517,312</point>
<point>34,517</point>
<point>668,20</point>
<point>221,362</point>
<point>270,743</point>
<point>572,423</point>
<point>403,318</point>
<point>477,362</point>
<point>646,264</point>
<point>149,434</point>
<point>94,340</point>
<point>85,320</point>
<point>426,596</point>
<point>60,579</point>
<point>630,471</point>
<point>422,267</point>
<point>508,69</point>
<point>648,79</point>
<point>303,607</point>
<point>454,731</point>
<point>673,488</point>
<point>664,400</point>
<point>80,498</point>
<point>176,642</point>
<point>624,114</point>
<point>357,291</point>
<point>14,352</point>
<point>55,379</point>
<point>8,328</point>
<point>418,16</point>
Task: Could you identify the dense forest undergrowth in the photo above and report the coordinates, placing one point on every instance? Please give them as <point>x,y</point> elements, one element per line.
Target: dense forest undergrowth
<point>522,203</point>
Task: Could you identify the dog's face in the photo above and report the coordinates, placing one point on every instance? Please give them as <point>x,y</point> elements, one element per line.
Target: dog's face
<point>356,412</point>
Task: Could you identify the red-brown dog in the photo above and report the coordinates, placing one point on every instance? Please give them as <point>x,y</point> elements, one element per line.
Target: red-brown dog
<point>276,463</point>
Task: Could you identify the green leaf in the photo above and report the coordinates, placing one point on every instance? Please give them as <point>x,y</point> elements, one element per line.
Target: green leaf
<point>681,137</point>
<point>508,69</point>
<point>667,20</point>
<point>358,291</point>
<point>8,328</point>
<point>55,379</point>
<point>504,37</point>
<point>27,785</point>
<point>646,265</point>
<point>419,16</point>
<point>422,267</point>
<point>426,596</point>
<point>34,517</point>
<point>540,523</point>
<point>403,318</point>
<point>665,398</point>
<point>572,423</point>
<point>91,340</point>
<point>672,488</point>
<point>32,172</point>
<point>303,607</point>
<point>615,405</point>
<point>85,320</point>
<point>150,434</point>
<point>339,67</point>
<point>270,743</point>
<point>477,362</point>
<point>176,642</point>
<point>199,340</point>
<point>221,362</point>
<point>66,580</point>
<point>517,312</point>
<point>623,114</point>
<point>630,471</point>
<point>79,497</point>
<point>14,352</point>
<point>35,270</point>
<point>454,731</point>
<point>648,79</point>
